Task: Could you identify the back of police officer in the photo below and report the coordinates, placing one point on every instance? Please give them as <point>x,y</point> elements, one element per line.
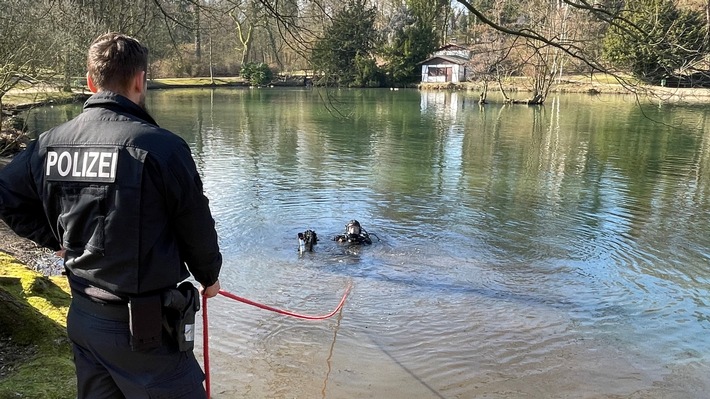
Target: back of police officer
<point>122,201</point>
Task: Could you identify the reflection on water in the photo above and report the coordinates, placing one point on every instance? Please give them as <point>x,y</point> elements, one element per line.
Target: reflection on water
<point>525,252</point>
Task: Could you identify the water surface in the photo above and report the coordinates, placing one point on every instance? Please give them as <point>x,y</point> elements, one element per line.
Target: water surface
<point>524,252</point>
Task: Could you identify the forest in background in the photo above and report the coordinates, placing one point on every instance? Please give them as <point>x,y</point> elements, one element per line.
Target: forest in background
<point>364,43</point>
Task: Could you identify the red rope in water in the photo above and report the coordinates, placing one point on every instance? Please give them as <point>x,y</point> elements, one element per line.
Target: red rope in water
<point>205,335</point>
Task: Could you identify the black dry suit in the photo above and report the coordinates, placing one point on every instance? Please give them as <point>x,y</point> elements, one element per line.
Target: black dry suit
<point>120,194</point>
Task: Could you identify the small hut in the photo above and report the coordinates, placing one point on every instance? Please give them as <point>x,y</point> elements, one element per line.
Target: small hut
<point>446,65</point>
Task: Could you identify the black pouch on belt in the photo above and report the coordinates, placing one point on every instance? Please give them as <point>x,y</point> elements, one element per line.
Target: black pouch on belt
<point>145,314</point>
<point>180,306</point>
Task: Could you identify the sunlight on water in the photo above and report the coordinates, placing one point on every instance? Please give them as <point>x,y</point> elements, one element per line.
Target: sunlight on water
<point>519,252</point>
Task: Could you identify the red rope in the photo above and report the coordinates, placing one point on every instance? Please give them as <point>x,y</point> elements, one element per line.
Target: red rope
<point>286,312</point>
<point>205,336</point>
<point>206,346</point>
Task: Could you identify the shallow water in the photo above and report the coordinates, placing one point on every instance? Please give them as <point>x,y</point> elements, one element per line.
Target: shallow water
<point>520,252</point>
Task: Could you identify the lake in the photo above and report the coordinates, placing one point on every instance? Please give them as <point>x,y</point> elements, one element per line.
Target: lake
<point>556,251</point>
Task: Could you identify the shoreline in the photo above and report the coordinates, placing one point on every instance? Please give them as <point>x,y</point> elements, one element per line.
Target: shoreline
<point>18,100</point>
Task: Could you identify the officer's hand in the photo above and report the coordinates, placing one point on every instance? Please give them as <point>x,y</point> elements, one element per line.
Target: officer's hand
<point>210,291</point>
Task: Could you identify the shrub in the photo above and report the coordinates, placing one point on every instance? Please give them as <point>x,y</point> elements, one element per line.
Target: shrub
<point>257,74</point>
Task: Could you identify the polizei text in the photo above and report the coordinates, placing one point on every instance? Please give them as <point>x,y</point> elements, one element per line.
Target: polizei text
<point>81,164</point>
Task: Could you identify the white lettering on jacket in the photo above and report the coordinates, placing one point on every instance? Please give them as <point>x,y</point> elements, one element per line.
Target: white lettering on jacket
<point>81,164</point>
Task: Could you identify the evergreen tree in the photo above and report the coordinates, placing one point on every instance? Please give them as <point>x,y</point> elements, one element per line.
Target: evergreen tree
<point>655,39</point>
<point>344,56</point>
<point>415,36</point>
<point>411,45</point>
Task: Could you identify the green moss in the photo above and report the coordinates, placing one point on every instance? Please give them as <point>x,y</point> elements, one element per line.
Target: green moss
<point>36,308</point>
<point>33,311</point>
<point>44,377</point>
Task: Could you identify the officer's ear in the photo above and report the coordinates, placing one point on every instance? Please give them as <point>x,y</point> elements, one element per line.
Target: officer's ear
<point>139,83</point>
<point>90,83</point>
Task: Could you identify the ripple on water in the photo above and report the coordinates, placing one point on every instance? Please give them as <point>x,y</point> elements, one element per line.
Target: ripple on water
<point>554,252</point>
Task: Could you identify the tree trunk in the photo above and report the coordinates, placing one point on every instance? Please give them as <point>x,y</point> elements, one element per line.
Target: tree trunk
<point>502,91</point>
<point>274,49</point>
<point>198,40</point>
<point>246,43</point>
<point>244,37</point>
<point>210,51</point>
<point>67,78</point>
<point>484,93</point>
<point>537,99</point>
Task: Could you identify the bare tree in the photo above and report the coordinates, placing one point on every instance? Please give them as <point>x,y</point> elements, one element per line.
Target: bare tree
<point>23,51</point>
<point>609,14</point>
<point>245,16</point>
<point>541,38</point>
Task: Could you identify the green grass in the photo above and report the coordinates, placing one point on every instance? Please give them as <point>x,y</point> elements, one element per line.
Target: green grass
<point>43,377</point>
<point>33,313</point>
<point>20,97</point>
<point>42,95</point>
<point>191,82</point>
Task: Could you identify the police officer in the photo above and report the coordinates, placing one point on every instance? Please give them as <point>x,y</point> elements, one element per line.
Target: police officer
<point>122,201</point>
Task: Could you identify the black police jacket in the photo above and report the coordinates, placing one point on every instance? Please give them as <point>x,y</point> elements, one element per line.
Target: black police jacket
<point>120,194</point>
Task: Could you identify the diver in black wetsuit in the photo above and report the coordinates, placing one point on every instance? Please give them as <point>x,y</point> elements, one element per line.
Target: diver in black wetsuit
<point>307,240</point>
<point>354,234</point>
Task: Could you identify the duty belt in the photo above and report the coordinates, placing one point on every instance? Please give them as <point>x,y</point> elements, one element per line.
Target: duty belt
<point>111,311</point>
<point>172,310</point>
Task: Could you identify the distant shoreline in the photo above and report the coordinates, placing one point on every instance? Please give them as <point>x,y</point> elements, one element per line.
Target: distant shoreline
<point>18,100</point>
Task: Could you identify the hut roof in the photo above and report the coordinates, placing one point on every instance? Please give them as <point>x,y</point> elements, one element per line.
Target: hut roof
<point>450,59</point>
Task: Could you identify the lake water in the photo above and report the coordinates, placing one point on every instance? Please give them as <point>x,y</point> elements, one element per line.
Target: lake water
<point>520,252</point>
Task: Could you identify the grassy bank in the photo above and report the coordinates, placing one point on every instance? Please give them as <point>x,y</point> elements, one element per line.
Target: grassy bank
<point>521,88</point>
<point>196,82</point>
<point>34,349</point>
<point>28,97</point>
<point>25,97</point>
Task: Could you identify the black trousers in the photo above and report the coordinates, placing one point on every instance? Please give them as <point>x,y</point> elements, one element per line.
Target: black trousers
<point>107,368</point>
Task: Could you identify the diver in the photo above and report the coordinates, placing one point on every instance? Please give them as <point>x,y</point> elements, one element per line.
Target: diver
<point>307,240</point>
<point>354,234</point>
